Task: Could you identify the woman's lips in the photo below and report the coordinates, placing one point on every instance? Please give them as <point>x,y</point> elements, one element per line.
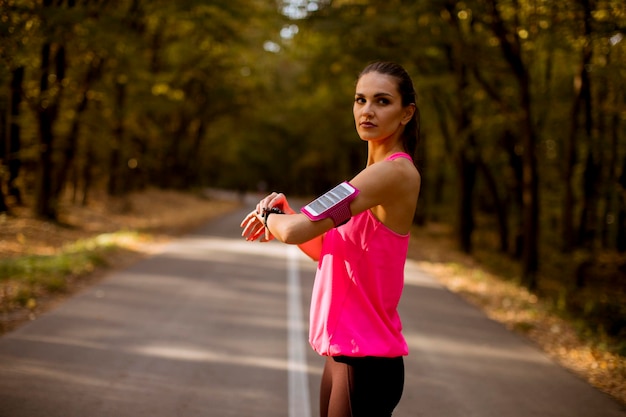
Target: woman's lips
<point>367,124</point>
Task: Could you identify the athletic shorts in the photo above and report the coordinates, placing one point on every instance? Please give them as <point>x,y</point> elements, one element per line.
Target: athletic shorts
<point>361,386</point>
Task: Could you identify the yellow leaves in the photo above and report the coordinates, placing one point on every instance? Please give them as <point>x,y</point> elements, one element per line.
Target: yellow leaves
<point>205,45</point>
<point>160,89</point>
<point>336,68</point>
<point>464,14</point>
<point>163,89</point>
<point>523,312</point>
<point>601,14</point>
<point>31,304</point>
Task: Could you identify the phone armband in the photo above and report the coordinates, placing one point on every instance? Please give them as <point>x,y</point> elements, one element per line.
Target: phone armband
<point>334,204</point>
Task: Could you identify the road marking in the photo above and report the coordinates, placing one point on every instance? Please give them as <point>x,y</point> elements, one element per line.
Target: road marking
<point>298,385</point>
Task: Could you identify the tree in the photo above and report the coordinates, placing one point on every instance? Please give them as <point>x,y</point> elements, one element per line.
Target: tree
<point>14,162</point>
<point>52,69</point>
<point>510,45</point>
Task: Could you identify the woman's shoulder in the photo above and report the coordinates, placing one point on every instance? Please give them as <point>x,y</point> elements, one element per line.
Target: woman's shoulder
<point>392,172</point>
<point>402,171</point>
<point>399,182</point>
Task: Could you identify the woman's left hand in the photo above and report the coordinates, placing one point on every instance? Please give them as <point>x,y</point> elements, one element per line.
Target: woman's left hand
<point>254,223</point>
<point>254,228</point>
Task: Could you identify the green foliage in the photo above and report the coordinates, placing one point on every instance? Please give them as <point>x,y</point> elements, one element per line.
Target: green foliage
<point>30,277</point>
<point>76,259</point>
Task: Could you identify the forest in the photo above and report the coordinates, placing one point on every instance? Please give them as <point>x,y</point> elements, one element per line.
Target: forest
<point>522,103</point>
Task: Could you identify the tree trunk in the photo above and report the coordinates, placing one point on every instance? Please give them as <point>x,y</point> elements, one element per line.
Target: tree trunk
<point>511,49</point>
<point>501,212</point>
<point>87,173</point>
<point>530,187</point>
<point>192,174</point>
<point>621,211</point>
<point>173,171</point>
<point>3,153</point>
<point>587,230</point>
<point>569,161</point>
<point>611,190</point>
<point>13,159</point>
<point>467,151</point>
<point>509,143</point>
<point>439,176</point>
<point>588,220</point>
<point>467,178</point>
<point>466,158</point>
<point>71,146</point>
<point>3,206</point>
<point>46,205</point>
<point>114,186</point>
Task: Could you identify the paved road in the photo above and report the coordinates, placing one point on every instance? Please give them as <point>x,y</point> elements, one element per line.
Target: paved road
<point>215,326</point>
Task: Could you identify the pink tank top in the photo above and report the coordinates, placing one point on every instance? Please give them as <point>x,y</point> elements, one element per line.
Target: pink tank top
<point>358,284</point>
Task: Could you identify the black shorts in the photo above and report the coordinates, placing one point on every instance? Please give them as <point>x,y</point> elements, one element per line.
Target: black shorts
<point>361,386</point>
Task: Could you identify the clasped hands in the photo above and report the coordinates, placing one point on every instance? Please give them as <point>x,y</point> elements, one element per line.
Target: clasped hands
<point>254,223</point>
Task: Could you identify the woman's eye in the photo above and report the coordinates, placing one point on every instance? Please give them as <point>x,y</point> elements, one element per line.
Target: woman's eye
<point>383,101</point>
<point>359,100</point>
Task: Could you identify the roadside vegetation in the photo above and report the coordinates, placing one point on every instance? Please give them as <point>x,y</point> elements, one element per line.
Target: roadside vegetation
<point>42,262</point>
<point>27,278</point>
<point>490,281</point>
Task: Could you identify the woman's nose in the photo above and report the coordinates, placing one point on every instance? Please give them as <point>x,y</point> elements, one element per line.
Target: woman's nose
<point>367,110</point>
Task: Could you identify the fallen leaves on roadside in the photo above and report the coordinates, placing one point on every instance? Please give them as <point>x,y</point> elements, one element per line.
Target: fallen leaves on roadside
<point>520,311</point>
<point>135,225</point>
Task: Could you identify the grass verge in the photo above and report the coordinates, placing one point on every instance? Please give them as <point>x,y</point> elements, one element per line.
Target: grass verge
<point>26,280</point>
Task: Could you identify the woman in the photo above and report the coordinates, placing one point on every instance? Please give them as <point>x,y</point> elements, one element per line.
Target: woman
<point>360,240</point>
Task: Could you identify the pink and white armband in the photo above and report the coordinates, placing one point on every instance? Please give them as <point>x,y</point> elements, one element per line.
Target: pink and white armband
<point>334,204</point>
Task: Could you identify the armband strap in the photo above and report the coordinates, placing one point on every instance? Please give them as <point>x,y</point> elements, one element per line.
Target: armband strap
<point>334,204</point>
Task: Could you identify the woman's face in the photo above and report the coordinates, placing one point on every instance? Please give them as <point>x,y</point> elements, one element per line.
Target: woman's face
<point>378,110</point>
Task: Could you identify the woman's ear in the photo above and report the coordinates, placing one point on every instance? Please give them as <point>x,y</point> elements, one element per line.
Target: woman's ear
<point>409,111</point>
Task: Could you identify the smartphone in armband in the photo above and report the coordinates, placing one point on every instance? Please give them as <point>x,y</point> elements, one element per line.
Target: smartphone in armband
<point>334,204</point>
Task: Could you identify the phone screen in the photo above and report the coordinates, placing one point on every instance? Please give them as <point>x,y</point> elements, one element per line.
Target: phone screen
<point>330,198</point>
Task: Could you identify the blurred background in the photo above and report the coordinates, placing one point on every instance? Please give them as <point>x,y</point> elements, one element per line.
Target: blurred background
<point>523,115</point>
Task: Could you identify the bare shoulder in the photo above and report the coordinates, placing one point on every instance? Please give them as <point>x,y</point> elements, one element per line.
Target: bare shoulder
<point>401,176</point>
<point>389,189</point>
<point>387,183</point>
<point>404,167</point>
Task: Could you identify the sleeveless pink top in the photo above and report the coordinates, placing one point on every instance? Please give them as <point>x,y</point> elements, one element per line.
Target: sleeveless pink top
<point>358,284</point>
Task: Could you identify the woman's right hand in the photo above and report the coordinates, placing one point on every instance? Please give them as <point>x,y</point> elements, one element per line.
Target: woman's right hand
<point>274,200</point>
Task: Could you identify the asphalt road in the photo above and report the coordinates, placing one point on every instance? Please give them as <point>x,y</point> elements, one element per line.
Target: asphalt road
<point>216,326</point>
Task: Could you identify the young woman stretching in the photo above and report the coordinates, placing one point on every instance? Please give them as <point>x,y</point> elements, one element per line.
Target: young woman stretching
<point>359,233</point>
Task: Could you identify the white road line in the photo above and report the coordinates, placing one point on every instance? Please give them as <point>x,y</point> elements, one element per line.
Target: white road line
<point>298,385</point>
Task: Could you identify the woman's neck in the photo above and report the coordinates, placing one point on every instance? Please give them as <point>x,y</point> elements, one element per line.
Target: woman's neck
<point>379,152</point>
